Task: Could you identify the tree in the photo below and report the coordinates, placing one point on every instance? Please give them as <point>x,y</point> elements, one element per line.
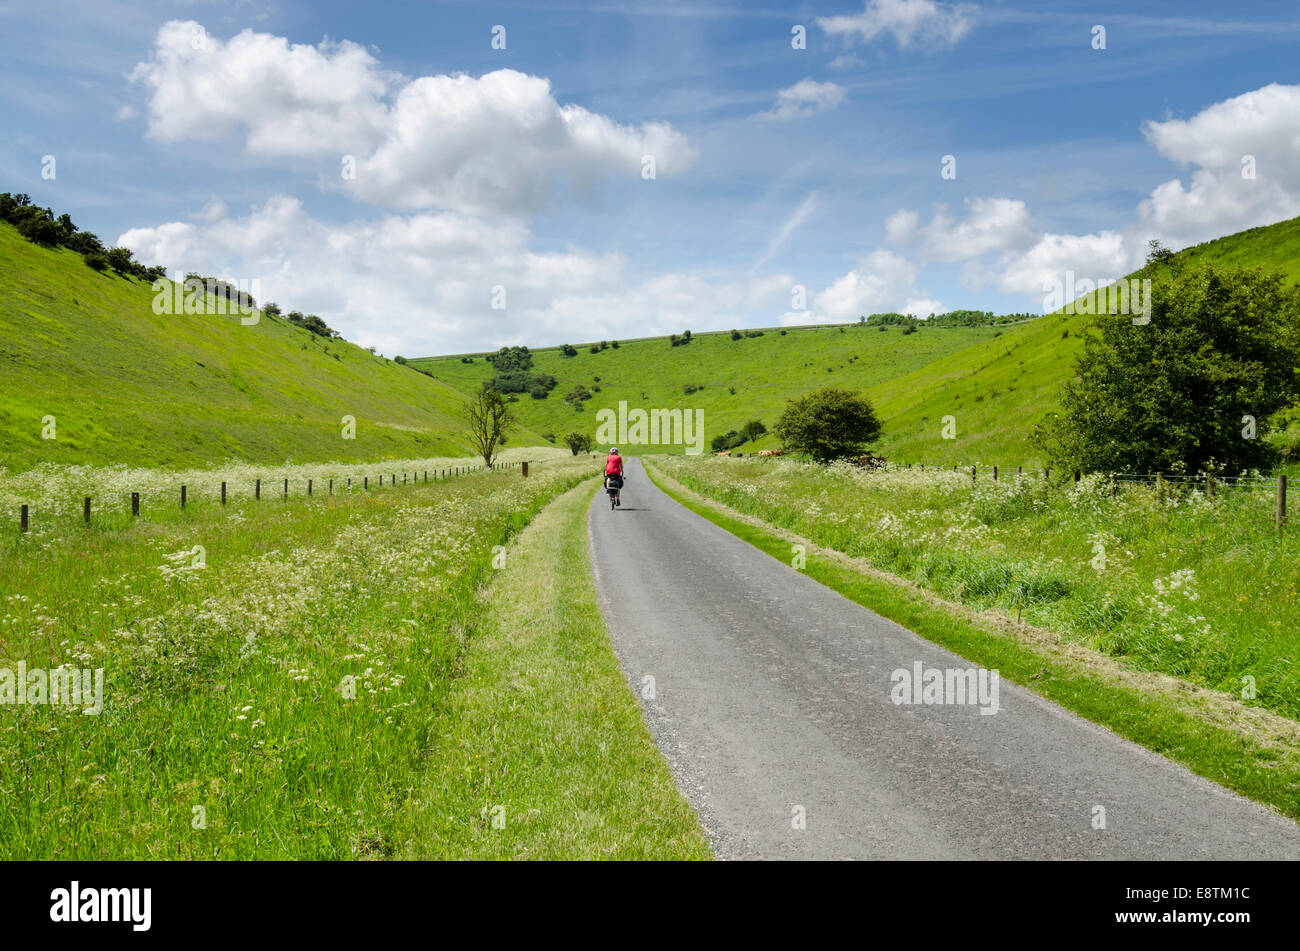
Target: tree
<point>578,442</point>
<point>119,259</point>
<point>490,421</point>
<point>1158,254</point>
<point>1174,394</point>
<point>753,430</point>
<point>271,309</point>
<point>828,424</point>
<point>511,358</point>
<point>41,230</point>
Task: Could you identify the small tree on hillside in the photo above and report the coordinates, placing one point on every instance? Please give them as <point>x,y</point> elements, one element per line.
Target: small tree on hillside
<point>490,422</point>
<point>1175,394</point>
<point>578,442</point>
<point>828,424</point>
<point>753,430</point>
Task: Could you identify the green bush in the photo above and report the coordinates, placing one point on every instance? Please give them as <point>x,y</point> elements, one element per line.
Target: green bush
<point>828,424</point>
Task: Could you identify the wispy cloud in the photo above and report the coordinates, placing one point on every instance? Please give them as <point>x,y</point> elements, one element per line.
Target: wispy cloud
<point>805,98</point>
<point>912,23</point>
<point>788,227</point>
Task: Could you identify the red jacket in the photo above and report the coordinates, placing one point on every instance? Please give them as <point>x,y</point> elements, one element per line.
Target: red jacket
<point>613,465</point>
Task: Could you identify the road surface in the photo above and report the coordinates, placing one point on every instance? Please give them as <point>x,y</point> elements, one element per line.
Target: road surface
<point>771,699</point>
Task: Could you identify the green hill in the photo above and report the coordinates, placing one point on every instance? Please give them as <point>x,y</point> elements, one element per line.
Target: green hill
<point>996,382</point>
<point>763,371</point>
<point>999,389</point>
<point>127,386</point>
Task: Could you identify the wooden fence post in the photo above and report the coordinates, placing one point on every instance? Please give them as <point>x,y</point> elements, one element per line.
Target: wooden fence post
<point>995,473</point>
<point>525,468</point>
<point>223,493</point>
<point>309,487</point>
<point>22,519</point>
<point>1281,501</point>
<point>85,509</point>
<point>972,473</point>
<point>257,490</point>
<point>331,491</point>
<point>135,503</point>
<point>286,488</point>
<point>366,485</point>
<point>182,496</point>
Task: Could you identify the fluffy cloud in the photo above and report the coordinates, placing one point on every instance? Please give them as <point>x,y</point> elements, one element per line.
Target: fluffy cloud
<point>881,282</point>
<point>805,98</point>
<point>923,23</point>
<point>901,226</point>
<point>991,224</point>
<point>423,283</point>
<point>496,143</point>
<point>1096,257</point>
<point>1255,134</point>
<point>290,100</point>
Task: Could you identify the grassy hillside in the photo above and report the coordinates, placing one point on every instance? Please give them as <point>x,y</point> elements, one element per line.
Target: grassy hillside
<point>998,389</point>
<point>765,372</point>
<point>127,386</point>
<point>996,382</point>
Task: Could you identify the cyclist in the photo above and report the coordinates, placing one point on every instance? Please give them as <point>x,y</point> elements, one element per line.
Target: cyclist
<point>614,474</point>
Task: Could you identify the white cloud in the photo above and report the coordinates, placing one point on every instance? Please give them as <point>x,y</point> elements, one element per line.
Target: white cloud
<point>290,100</point>
<point>844,62</point>
<point>493,143</point>
<point>422,284</point>
<point>924,23</point>
<point>1263,124</point>
<point>992,224</point>
<point>881,282</point>
<point>498,142</point>
<point>900,227</point>
<point>1096,257</point>
<point>805,98</point>
<point>788,227</point>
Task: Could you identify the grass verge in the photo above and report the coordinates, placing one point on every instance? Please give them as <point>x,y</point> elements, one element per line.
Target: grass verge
<point>547,755</point>
<point>1257,755</point>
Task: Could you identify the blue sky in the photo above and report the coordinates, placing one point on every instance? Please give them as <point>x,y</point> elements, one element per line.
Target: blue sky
<point>211,137</point>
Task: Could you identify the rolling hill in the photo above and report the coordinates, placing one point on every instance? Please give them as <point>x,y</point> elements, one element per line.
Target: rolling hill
<point>996,382</point>
<point>125,385</point>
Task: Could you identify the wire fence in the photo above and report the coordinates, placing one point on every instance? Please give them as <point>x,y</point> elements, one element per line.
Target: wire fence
<point>1208,483</point>
<point>308,488</point>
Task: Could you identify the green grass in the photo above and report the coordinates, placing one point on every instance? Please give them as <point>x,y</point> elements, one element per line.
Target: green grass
<point>1262,762</point>
<point>127,386</point>
<point>996,382</point>
<point>765,371</point>
<point>226,685</point>
<point>547,755</point>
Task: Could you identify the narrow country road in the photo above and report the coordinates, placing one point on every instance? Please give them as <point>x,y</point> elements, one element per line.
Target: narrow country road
<point>772,703</point>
